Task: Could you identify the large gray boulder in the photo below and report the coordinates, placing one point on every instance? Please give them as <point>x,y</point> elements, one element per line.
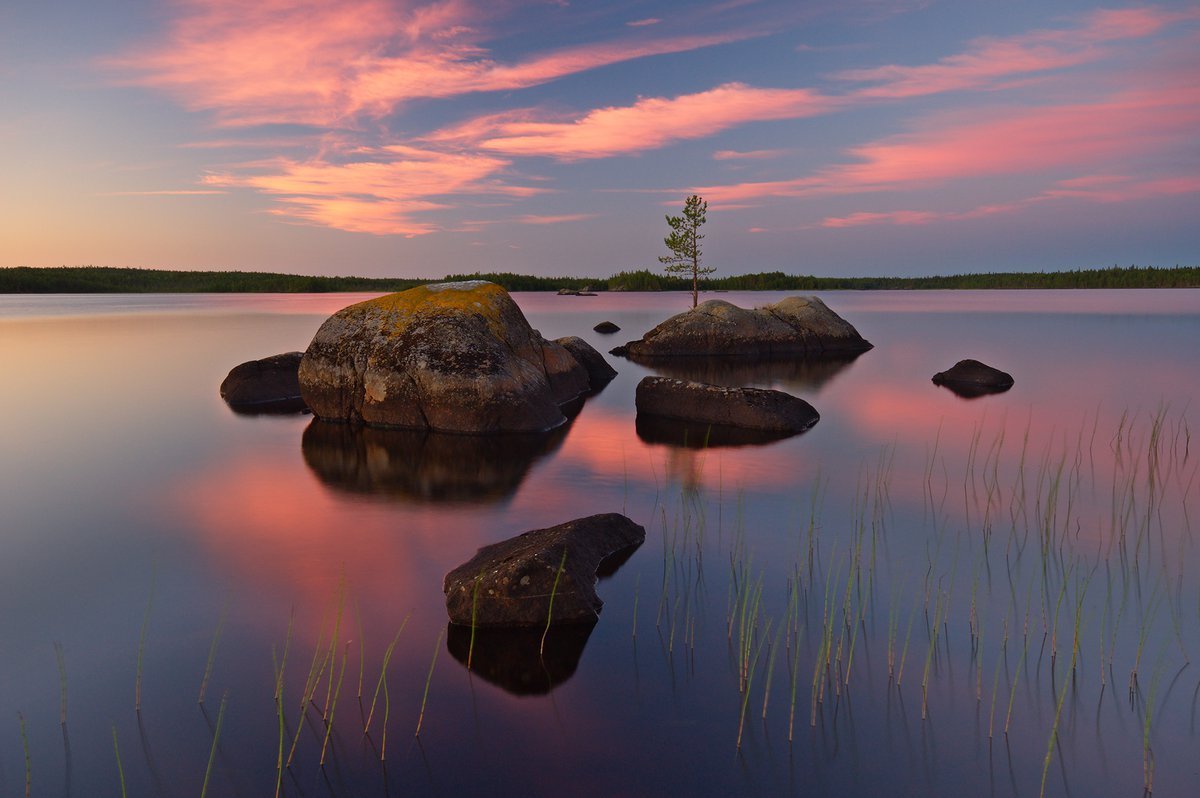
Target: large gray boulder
<point>747,408</point>
<point>797,325</point>
<point>511,583</point>
<point>454,357</point>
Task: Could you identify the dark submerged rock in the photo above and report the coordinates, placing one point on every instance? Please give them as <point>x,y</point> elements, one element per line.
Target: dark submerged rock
<point>970,379</point>
<point>748,408</point>
<point>422,466</point>
<point>269,385</point>
<point>518,660</point>
<point>794,326</point>
<point>606,327</point>
<point>510,583</point>
<point>454,357</point>
<point>600,373</point>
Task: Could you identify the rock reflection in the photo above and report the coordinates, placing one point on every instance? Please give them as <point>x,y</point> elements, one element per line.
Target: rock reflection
<point>801,373</point>
<point>968,391</point>
<point>424,466</point>
<point>699,435</point>
<point>515,659</point>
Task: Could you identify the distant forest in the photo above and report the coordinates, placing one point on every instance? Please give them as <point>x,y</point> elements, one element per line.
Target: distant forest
<point>104,280</point>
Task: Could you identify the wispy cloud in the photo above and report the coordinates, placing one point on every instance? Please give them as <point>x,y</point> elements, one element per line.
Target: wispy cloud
<point>1014,141</point>
<point>751,155</point>
<point>530,218</point>
<point>166,192</point>
<point>383,190</point>
<point>990,60</point>
<point>1099,188</point>
<point>312,62</point>
<point>649,123</point>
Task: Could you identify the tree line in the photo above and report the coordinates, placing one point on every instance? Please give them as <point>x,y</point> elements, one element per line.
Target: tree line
<point>99,280</point>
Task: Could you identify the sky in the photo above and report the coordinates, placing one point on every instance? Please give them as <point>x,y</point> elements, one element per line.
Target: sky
<point>393,138</point>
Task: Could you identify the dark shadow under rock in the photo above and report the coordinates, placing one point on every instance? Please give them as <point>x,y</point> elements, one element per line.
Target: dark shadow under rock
<point>267,386</point>
<point>422,466</point>
<point>697,435</point>
<point>971,379</point>
<point>515,659</point>
<point>797,372</point>
<point>539,577</point>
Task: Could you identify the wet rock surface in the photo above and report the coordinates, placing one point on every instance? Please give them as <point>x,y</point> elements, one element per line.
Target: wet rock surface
<point>971,378</point>
<point>510,583</point>
<point>600,373</point>
<point>269,385</point>
<point>795,325</point>
<point>746,408</point>
<point>453,357</point>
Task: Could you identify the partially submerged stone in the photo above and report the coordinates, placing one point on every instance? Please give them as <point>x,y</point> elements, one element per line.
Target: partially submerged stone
<point>600,373</point>
<point>794,326</point>
<point>970,378</point>
<point>267,385</point>
<point>606,327</point>
<point>511,583</point>
<point>748,408</point>
<point>454,357</point>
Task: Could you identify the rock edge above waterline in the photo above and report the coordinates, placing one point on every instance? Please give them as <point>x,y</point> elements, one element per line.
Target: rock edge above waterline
<point>746,408</point>
<point>510,583</point>
<point>452,357</point>
<point>796,325</point>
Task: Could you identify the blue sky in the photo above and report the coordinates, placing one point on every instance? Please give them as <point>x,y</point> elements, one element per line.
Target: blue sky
<point>392,138</point>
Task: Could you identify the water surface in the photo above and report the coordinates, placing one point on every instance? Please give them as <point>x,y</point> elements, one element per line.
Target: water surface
<point>1032,549</point>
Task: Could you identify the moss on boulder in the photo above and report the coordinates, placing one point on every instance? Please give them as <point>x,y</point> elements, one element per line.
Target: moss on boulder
<point>455,357</point>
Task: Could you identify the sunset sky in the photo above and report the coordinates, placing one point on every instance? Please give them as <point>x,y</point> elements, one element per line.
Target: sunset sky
<point>416,139</point>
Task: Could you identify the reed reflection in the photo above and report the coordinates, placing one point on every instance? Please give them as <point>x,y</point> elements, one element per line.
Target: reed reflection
<point>424,466</point>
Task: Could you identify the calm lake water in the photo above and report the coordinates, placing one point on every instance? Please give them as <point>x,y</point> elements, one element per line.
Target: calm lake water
<point>868,606</point>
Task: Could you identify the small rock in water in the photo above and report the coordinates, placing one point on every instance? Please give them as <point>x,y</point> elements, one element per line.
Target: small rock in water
<point>750,408</point>
<point>539,576</point>
<point>970,378</point>
<point>268,385</point>
<point>606,327</point>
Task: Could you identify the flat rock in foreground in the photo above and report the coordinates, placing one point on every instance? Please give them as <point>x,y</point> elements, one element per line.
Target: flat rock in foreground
<point>970,378</point>
<point>453,357</point>
<point>271,383</point>
<point>747,408</point>
<point>797,325</point>
<point>510,583</point>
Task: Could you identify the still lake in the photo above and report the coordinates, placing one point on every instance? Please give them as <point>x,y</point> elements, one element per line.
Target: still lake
<point>862,609</point>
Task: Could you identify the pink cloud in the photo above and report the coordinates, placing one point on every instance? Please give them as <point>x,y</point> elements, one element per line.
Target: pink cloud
<point>753,155</point>
<point>317,63</point>
<point>372,190</point>
<point>641,23</point>
<point>1095,188</point>
<point>649,123</point>
<point>1019,141</point>
<point>530,218</point>
<point>991,59</point>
